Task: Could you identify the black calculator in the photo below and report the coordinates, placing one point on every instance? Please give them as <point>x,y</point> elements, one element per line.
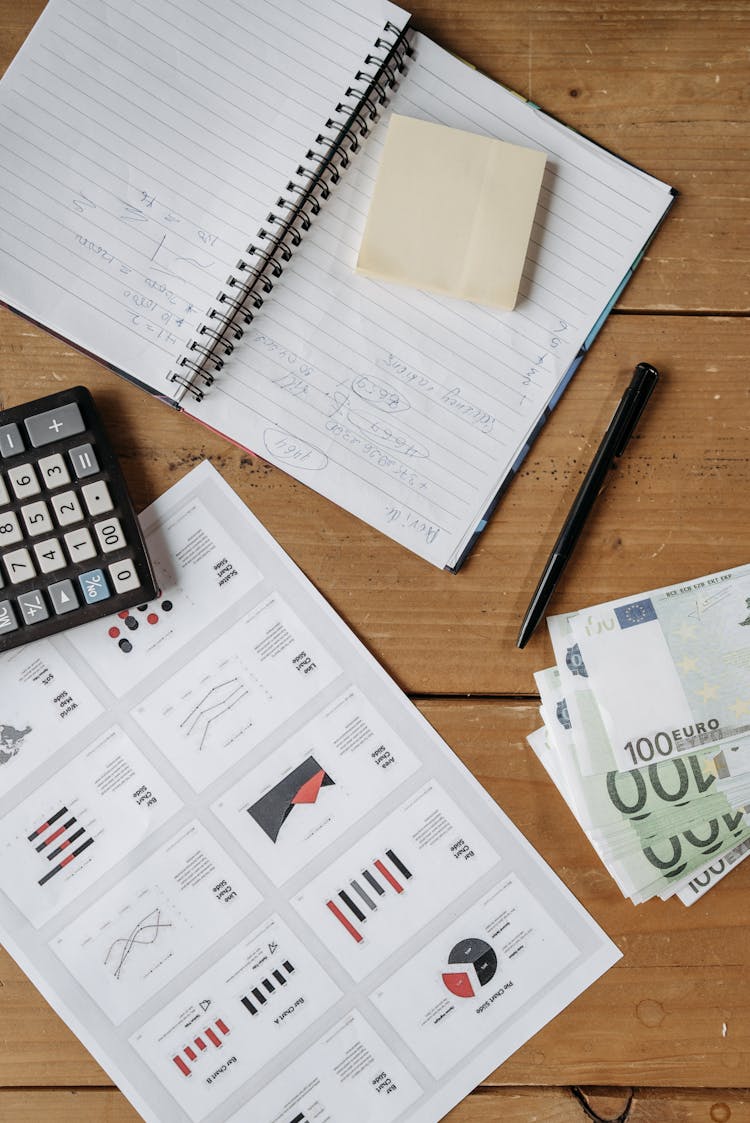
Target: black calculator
<point>71,548</point>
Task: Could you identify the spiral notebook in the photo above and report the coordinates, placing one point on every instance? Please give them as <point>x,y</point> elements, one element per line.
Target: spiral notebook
<point>183,192</point>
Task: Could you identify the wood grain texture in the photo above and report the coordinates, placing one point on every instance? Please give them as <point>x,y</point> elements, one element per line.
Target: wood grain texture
<point>675,1010</point>
<point>662,84</point>
<point>675,507</point>
<point>506,1105</point>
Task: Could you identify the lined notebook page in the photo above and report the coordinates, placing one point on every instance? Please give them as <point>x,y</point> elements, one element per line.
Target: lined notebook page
<point>142,147</point>
<point>410,409</point>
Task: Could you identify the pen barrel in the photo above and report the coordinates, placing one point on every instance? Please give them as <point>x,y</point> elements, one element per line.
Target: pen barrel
<point>552,573</point>
<point>619,431</point>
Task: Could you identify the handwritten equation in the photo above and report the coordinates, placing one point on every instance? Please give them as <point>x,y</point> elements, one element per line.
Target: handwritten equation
<point>162,266</point>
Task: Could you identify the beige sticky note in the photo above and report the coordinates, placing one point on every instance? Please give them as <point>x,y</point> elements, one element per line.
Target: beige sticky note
<point>451,212</point>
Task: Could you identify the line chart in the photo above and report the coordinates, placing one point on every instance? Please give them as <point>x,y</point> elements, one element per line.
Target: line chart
<point>218,701</point>
<point>146,931</point>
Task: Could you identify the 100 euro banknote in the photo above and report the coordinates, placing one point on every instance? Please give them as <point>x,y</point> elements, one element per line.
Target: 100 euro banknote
<point>669,670</point>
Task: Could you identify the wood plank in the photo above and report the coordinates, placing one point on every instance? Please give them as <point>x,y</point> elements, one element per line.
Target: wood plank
<point>676,507</point>
<point>675,1010</point>
<point>663,87</point>
<point>511,1105</point>
<point>660,85</point>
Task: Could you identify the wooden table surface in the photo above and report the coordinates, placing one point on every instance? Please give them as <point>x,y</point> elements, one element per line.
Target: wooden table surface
<point>665,1035</point>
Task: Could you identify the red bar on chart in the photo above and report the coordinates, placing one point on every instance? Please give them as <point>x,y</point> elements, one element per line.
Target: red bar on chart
<point>342,920</point>
<point>388,876</point>
<point>52,819</point>
<point>181,1065</point>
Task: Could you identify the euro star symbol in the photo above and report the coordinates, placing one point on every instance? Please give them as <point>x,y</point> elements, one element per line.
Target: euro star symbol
<point>688,664</point>
<point>707,692</point>
<point>687,631</point>
<point>740,707</point>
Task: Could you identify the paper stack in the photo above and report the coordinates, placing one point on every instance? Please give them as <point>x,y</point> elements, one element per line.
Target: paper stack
<point>647,732</point>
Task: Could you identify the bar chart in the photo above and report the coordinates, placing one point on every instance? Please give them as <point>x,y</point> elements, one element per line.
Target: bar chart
<point>210,1038</point>
<point>64,830</point>
<point>382,881</point>
<point>259,995</point>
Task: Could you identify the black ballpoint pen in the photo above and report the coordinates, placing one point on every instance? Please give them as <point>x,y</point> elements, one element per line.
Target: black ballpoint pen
<point>613,444</point>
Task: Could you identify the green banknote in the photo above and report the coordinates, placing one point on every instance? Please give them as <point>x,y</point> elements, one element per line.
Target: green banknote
<point>624,809</point>
<point>661,674</point>
<point>683,862</point>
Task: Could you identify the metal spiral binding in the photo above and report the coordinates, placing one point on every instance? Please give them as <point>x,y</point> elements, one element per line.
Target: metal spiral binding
<point>263,262</point>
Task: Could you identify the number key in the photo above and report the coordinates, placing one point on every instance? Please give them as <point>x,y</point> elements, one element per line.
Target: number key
<point>23,481</point>
<point>123,576</point>
<point>49,555</point>
<point>67,508</point>
<point>109,533</point>
<point>54,471</point>
<point>80,544</point>
<point>10,530</point>
<point>4,497</point>
<point>19,565</point>
<point>37,518</point>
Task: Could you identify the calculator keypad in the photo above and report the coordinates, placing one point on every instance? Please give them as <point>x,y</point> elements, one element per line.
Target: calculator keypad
<point>71,548</point>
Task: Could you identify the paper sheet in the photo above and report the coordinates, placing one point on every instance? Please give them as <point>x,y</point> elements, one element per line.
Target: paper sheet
<point>411,409</point>
<point>144,148</point>
<point>244,869</point>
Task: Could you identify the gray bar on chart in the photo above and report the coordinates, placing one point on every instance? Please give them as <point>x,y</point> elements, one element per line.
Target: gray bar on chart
<point>368,900</point>
<point>371,881</point>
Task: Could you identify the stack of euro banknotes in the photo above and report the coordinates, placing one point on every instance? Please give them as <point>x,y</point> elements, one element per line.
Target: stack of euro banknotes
<point>647,732</point>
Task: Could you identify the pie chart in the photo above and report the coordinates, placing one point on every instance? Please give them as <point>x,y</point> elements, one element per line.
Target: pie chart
<point>473,964</point>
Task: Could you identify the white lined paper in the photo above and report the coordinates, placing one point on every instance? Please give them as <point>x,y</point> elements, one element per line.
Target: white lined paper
<point>145,148</point>
<point>142,146</point>
<point>469,383</point>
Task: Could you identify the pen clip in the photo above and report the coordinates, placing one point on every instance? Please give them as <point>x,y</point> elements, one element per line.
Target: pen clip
<point>646,378</point>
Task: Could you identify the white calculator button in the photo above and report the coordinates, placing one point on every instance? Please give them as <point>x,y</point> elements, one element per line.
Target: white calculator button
<point>10,530</point>
<point>4,497</point>
<point>37,518</point>
<point>23,481</point>
<point>97,498</point>
<point>49,555</point>
<point>67,508</point>
<point>80,544</point>
<point>110,535</point>
<point>124,577</point>
<point>19,566</point>
<point>54,471</point>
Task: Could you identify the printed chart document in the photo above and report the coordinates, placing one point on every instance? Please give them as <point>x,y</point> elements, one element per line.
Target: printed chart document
<point>244,869</point>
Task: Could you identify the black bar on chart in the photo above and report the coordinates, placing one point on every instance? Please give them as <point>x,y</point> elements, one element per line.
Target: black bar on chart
<point>398,863</point>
